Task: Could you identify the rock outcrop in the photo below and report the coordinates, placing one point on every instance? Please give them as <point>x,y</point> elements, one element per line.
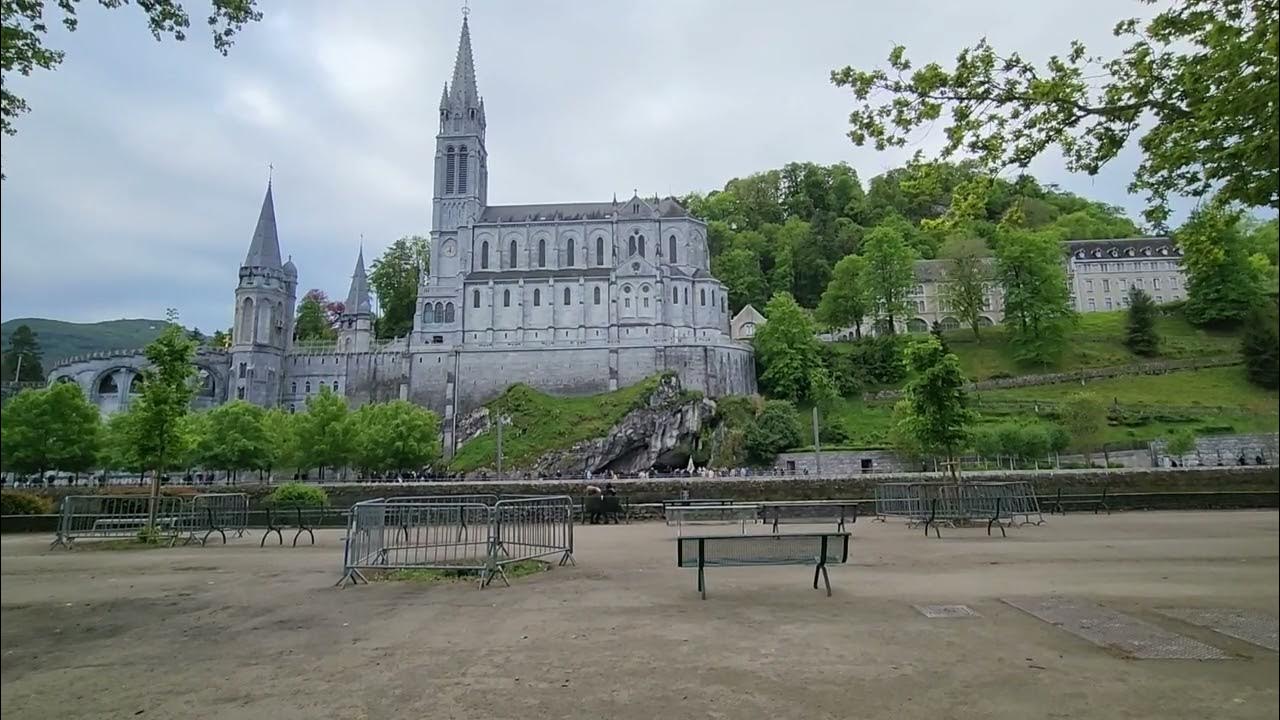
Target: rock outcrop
<point>660,432</point>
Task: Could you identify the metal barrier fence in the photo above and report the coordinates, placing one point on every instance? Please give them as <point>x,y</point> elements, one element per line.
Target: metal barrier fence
<point>1011,503</point>
<point>483,534</point>
<point>215,513</point>
<point>116,516</point>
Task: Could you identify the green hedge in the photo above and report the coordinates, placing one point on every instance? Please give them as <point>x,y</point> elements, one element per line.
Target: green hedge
<point>297,495</point>
<point>14,502</point>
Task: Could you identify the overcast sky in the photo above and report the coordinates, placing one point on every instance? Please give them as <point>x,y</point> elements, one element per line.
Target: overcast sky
<point>134,183</point>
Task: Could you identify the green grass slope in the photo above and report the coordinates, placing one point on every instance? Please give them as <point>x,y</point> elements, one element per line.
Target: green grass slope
<point>541,423</point>
<point>59,339</point>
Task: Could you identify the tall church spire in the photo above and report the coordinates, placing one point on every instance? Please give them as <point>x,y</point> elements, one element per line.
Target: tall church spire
<point>358,296</point>
<point>462,91</point>
<point>264,249</point>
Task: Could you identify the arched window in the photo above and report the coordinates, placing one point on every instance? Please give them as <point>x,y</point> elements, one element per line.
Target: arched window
<point>640,244</point>
<point>293,387</point>
<point>702,296</point>
<point>567,296</point>
<point>596,295</point>
<point>511,263</point>
<point>448,313</point>
<point>462,169</point>
<point>107,386</point>
<point>568,254</point>
<point>686,296</point>
<point>722,307</point>
<point>438,314</point>
<point>246,321</point>
<point>537,297</point>
<point>671,249</point>
<point>675,296</point>
<point>506,298</point>
<point>631,246</point>
<point>450,167</point>
<point>475,298</point>
<point>307,387</point>
<point>600,250</point>
<point>484,255</point>
<point>713,298</point>
<point>542,253</point>
<point>335,386</point>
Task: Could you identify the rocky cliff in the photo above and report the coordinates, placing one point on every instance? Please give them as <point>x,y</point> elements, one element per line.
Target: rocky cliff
<point>661,430</point>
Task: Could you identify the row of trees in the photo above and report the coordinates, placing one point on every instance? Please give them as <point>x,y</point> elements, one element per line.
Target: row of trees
<point>57,428</point>
<point>394,278</point>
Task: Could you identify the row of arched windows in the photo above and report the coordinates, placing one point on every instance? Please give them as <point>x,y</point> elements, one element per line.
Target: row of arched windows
<point>438,313</point>
<point>635,246</point>
<point>537,298</point>
<point>306,386</point>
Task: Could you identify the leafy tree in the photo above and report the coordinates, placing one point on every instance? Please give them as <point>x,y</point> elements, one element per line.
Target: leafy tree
<point>1084,418</point>
<point>967,278</point>
<point>1262,238</point>
<point>1037,303</point>
<point>54,428</point>
<point>220,339</point>
<point>845,303</point>
<point>395,277</point>
<point>788,351</point>
<point>739,270</point>
<point>311,323</point>
<point>324,436</point>
<point>394,436</point>
<point>21,361</point>
<point>889,273</point>
<point>1222,285</point>
<point>1140,327</point>
<point>280,441</point>
<point>24,28</point>
<point>167,389</point>
<point>775,429</point>
<point>120,443</point>
<point>1198,83</point>
<point>234,438</point>
<point>937,413</point>
<point>1260,347</point>
<point>1181,444</point>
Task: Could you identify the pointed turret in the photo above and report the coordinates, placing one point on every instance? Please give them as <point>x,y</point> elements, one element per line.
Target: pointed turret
<point>444,97</point>
<point>462,91</point>
<point>358,296</point>
<point>264,249</point>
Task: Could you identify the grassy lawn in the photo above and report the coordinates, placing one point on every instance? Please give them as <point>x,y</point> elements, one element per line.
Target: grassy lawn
<point>1213,387</point>
<point>1096,340</point>
<point>541,422</point>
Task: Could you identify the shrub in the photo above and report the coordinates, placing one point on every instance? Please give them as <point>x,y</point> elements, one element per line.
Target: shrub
<point>833,434</point>
<point>297,495</point>
<point>14,502</point>
<point>776,429</point>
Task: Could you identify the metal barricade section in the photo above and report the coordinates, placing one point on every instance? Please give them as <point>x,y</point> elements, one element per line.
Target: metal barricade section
<point>999,504</point>
<point>210,513</point>
<point>456,533</point>
<point>116,516</point>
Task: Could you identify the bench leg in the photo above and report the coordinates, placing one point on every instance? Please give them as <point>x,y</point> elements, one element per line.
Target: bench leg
<point>702,584</point>
<point>821,569</point>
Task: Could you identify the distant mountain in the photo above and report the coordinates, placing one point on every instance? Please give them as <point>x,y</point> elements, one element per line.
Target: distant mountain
<point>60,339</point>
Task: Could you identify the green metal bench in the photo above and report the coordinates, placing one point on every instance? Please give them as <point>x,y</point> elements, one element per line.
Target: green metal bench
<point>817,549</point>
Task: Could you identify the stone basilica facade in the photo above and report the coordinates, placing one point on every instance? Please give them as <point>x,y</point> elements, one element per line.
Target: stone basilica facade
<point>570,298</point>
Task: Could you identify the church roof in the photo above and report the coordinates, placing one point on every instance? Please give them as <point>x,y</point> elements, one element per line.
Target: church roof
<point>547,211</point>
<point>462,91</point>
<point>748,313</point>
<point>358,296</point>
<point>1122,247</point>
<point>264,248</point>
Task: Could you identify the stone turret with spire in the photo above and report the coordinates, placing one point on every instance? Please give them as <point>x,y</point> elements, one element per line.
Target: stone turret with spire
<point>461,162</point>
<point>263,330</point>
<point>355,324</point>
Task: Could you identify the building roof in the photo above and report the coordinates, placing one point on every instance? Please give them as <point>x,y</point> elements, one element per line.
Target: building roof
<point>748,313</point>
<point>1123,247</point>
<point>462,92</point>
<point>264,248</point>
<point>537,212</point>
<point>358,296</point>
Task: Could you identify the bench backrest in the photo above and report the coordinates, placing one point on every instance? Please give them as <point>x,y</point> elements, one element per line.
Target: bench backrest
<point>712,513</point>
<point>846,511</point>
<point>738,550</point>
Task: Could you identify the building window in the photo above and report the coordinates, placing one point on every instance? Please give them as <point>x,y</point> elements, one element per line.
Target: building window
<point>307,387</point>
<point>702,296</point>
<point>1139,283</point>
<point>1159,298</point>
<point>1088,285</point>
<point>243,369</point>
<point>626,302</point>
<point>567,296</point>
<point>448,313</point>
<point>293,409</point>
<point>484,255</point>
<point>631,246</point>
<point>511,262</point>
<point>1173,282</point>
<point>462,169</point>
<point>1093,305</point>
<point>537,297</point>
<point>1155,283</point>
<point>1106,285</point>
<point>600,250</point>
<point>596,295</point>
<point>542,254</point>
<point>640,244</point>
<point>1108,301</point>
<point>239,393</point>
<point>293,387</point>
<point>506,298</point>
<point>646,301</point>
<point>437,314</point>
<point>686,296</point>
<point>920,306</point>
<point>722,306</point>
<point>671,249</point>
<point>335,386</point>
<point>675,296</point>
<point>475,298</point>
<point>450,161</point>
<point>568,254</point>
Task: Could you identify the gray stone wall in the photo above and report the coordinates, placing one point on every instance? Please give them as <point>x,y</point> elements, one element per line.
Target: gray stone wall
<point>847,463</point>
<point>1223,450</point>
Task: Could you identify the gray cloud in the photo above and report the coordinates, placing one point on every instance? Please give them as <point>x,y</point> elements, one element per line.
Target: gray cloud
<point>135,182</point>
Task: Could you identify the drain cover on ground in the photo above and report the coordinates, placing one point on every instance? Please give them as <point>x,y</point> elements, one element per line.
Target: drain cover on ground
<point>1108,628</point>
<point>945,611</point>
<point>1250,626</point>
